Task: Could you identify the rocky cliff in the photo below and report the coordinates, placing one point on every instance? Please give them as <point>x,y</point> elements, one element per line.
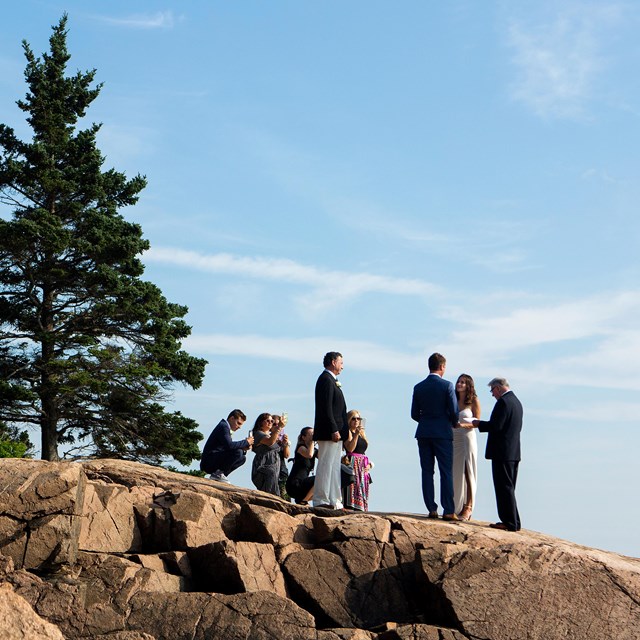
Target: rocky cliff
<point>124,551</point>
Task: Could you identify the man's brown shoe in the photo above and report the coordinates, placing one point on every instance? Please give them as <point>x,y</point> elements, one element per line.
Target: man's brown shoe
<point>451,517</point>
<point>433,515</point>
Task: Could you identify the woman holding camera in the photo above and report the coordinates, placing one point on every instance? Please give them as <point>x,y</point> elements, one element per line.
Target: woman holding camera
<point>266,464</point>
<point>356,495</point>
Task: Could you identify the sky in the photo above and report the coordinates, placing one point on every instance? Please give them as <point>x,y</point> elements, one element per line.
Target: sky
<point>388,180</point>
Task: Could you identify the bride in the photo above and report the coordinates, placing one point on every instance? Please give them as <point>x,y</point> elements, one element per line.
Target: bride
<point>465,448</point>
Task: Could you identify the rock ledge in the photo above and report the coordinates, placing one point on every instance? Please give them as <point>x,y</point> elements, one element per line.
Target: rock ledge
<point>124,551</point>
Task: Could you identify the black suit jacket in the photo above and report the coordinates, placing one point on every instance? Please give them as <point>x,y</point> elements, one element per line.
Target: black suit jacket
<point>331,409</point>
<point>503,427</point>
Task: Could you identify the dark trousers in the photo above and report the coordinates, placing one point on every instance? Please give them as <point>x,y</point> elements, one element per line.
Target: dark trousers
<point>505,475</point>
<point>432,449</point>
<point>223,461</point>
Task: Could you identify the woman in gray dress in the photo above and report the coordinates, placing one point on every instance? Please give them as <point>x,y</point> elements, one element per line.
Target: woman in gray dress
<point>266,463</point>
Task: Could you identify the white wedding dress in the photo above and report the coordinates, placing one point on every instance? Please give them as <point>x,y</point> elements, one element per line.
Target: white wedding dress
<point>465,462</point>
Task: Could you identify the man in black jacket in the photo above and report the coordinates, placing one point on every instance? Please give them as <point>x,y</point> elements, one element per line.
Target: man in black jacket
<point>503,449</point>
<point>329,430</point>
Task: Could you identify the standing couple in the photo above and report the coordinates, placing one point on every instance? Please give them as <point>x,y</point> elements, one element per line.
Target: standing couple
<point>435,408</point>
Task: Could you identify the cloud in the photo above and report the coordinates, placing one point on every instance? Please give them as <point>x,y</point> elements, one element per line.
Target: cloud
<point>587,342</point>
<point>601,175</point>
<point>590,342</point>
<point>608,364</point>
<point>593,413</point>
<point>595,345</point>
<point>158,20</point>
<point>528,326</point>
<point>324,186</point>
<point>361,355</point>
<point>330,287</point>
<point>558,61</point>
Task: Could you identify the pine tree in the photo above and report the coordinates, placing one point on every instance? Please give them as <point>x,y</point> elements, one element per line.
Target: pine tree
<point>89,351</point>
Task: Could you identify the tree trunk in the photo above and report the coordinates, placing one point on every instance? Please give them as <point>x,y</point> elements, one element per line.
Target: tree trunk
<point>49,438</point>
<point>49,416</point>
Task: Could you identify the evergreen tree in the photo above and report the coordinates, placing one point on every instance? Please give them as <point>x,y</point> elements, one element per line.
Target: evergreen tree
<point>13,442</point>
<point>88,350</point>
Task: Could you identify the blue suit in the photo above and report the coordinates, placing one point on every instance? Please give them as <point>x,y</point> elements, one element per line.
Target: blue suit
<point>221,453</point>
<point>435,408</point>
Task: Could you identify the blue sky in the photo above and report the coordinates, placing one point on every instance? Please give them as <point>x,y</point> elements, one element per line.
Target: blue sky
<point>388,180</point>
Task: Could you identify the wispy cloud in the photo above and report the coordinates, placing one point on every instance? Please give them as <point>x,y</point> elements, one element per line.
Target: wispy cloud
<point>323,185</point>
<point>596,345</point>
<point>158,20</point>
<point>589,342</point>
<point>330,287</point>
<point>559,60</point>
<point>599,412</point>
<point>544,324</point>
<point>361,355</point>
<point>601,175</point>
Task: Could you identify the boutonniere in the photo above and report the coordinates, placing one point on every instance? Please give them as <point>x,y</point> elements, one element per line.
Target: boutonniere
<point>338,384</point>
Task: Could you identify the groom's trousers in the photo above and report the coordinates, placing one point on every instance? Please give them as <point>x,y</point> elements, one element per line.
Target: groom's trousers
<point>430,450</point>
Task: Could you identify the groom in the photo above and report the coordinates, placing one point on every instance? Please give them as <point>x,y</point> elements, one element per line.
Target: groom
<point>435,408</point>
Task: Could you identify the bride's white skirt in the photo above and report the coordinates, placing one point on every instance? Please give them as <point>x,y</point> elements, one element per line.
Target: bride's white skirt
<point>465,465</point>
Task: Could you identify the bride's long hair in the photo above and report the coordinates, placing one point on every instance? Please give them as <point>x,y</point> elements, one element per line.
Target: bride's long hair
<point>470,391</point>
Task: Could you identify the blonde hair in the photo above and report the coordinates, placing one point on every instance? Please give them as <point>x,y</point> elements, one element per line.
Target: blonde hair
<point>350,415</point>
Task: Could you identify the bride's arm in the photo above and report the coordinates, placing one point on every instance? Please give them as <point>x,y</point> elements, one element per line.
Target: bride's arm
<point>475,408</point>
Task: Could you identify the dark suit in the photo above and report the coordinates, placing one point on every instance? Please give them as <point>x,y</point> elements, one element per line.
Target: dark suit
<point>503,449</point>
<point>330,418</point>
<point>331,409</point>
<point>221,453</point>
<point>434,407</point>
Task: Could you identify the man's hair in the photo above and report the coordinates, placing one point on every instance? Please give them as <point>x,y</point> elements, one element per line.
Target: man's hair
<point>330,357</point>
<point>436,360</point>
<point>237,414</point>
<point>498,382</point>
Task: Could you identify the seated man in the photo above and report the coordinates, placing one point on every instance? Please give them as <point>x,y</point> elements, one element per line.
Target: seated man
<point>221,455</point>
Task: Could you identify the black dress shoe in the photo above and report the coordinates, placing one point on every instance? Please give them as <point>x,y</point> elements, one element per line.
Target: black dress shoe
<point>502,526</point>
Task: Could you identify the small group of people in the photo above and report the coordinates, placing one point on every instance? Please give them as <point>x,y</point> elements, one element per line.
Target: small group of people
<point>337,442</point>
<point>355,468</point>
<point>222,455</point>
<point>447,416</point>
